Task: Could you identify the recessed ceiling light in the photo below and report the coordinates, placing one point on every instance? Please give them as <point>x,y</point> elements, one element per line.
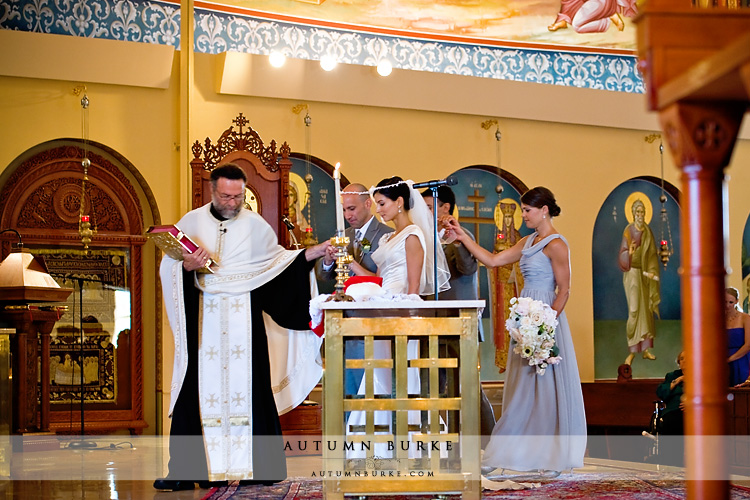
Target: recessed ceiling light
<point>385,67</point>
<point>277,59</point>
<point>328,62</point>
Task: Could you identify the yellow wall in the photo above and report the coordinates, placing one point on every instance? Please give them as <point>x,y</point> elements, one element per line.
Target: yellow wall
<point>581,163</point>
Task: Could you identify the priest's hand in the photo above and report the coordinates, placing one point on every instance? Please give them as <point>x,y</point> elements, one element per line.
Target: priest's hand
<point>330,256</point>
<point>317,251</point>
<point>195,260</point>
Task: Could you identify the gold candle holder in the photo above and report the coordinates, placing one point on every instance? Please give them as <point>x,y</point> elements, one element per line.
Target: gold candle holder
<point>343,259</point>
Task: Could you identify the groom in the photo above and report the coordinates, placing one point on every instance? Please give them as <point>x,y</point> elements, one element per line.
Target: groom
<point>364,233</point>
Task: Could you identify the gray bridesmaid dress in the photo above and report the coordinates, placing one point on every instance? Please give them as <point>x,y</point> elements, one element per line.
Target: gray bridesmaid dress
<point>543,423</point>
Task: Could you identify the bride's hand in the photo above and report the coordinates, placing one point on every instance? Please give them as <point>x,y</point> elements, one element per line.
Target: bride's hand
<point>356,268</point>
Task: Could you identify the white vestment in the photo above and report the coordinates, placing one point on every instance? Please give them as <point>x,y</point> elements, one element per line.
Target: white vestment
<point>248,254</point>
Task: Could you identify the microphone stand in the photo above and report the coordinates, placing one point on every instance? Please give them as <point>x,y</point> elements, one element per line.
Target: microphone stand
<point>81,443</point>
<point>433,186</point>
<point>434,189</point>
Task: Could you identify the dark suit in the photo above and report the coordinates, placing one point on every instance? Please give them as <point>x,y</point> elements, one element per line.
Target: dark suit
<point>355,349</point>
<point>374,232</point>
<point>463,268</point>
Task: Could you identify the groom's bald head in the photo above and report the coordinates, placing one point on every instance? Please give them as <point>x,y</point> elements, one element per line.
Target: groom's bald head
<point>356,202</point>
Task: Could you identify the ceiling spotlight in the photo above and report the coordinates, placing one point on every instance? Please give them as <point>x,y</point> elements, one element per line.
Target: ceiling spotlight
<point>385,67</point>
<point>277,59</point>
<point>328,62</point>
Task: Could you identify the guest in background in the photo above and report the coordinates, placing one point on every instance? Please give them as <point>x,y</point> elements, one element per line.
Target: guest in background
<point>671,392</point>
<point>738,329</point>
<point>671,418</point>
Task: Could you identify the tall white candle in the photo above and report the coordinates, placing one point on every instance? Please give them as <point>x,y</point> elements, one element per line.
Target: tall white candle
<point>339,206</point>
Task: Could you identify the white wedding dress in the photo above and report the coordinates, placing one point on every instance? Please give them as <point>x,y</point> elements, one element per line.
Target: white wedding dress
<point>390,257</point>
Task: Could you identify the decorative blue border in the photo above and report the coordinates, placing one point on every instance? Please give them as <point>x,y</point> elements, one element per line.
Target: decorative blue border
<point>216,32</point>
<point>134,21</point>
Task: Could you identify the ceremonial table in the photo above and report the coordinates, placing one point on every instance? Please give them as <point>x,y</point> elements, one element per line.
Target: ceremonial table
<point>440,451</point>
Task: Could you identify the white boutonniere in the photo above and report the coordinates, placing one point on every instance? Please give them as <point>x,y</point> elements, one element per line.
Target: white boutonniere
<point>365,244</point>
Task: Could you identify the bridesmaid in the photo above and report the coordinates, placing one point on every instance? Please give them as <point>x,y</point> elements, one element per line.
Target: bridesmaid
<point>543,422</point>
<point>738,329</point>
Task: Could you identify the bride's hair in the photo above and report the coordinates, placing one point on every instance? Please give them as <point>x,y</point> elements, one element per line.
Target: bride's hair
<point>540,196</point>
<point>392,188</point>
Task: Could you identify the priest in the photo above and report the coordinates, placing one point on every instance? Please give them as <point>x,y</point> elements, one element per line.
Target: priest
<point>243,350</point>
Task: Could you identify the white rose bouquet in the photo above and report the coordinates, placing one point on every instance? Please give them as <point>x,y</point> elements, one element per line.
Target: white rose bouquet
<point>531,324</point>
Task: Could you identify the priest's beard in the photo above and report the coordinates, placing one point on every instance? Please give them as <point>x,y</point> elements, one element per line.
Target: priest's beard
<point>226,211</point>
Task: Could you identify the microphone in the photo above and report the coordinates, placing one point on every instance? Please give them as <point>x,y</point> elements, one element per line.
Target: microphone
<point>290,227</point>
<point>448,181</point>
<point>289,224</point>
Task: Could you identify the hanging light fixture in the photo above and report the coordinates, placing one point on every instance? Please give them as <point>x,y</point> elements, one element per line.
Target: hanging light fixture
<point>308,237</point>
<point>666,249</point>
<point>500,243</point>
<point>85,222</point>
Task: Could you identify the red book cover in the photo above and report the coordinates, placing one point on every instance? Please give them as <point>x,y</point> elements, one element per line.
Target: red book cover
<point>172,241</point>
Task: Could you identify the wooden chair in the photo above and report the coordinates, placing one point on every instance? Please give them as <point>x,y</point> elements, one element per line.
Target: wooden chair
<point>267,172</point>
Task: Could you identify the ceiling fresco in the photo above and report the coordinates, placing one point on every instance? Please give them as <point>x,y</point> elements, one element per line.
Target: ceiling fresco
<point>592,23</point>
<point>576,43</point>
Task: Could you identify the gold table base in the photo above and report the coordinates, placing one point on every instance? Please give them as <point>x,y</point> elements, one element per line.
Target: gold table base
<point>447,339</point>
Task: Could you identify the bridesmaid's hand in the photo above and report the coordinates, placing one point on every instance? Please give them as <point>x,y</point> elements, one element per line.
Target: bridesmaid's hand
<point>452,228</point>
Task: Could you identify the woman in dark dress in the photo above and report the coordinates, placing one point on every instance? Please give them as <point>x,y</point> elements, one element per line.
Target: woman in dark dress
<point>738,330</point>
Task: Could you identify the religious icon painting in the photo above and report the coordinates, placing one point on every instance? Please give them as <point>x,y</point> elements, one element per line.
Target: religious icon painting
<point>311,198</point>
<point>311,202</point>
<point>636,287</point>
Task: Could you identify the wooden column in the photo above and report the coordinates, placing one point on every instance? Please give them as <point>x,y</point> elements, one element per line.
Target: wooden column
<point>701,138</point>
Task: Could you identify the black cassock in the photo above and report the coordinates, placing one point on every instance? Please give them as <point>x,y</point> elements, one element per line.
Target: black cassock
<point>286,298</point>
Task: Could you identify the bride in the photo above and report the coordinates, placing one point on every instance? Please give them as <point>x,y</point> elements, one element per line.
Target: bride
<point>404,260</point>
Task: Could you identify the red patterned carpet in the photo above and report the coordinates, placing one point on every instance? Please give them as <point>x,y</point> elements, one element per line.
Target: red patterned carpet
<point>596,486</point>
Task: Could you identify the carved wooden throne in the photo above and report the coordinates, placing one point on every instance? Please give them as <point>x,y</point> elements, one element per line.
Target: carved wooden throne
<point>267,174</point>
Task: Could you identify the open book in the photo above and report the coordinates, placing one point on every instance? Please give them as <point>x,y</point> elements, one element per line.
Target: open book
<point>172,241</point>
